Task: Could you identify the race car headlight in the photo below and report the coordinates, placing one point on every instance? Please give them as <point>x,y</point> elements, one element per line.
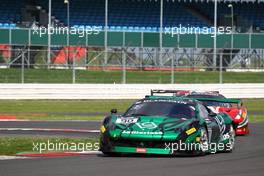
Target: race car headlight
<point>102,129</point>
<point>237,116</point>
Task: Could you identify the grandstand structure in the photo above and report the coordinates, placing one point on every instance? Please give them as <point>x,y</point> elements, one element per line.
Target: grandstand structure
<point>135,33</point>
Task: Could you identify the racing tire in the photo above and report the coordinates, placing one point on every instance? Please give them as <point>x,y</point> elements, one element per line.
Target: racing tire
<point>204,142</point>
<point>110,154</point>
<point>231,141</point>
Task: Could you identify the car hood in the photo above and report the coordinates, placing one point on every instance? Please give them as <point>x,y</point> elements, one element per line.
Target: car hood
<point>148,127</point>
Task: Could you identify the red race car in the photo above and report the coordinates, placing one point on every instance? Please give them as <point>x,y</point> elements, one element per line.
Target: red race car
<point>235,109</point>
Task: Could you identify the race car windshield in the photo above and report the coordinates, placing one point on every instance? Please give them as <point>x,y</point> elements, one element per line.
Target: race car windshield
<point>168,109</point>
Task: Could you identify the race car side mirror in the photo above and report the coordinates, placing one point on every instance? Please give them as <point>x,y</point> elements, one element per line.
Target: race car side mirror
<point>210,112</point>
<point>113,111</point>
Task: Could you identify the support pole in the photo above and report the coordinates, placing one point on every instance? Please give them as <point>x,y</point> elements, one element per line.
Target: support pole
<point>22,67</point>
<point>123,61</point>
<point>215,33</point>
<point>68,31</point>
<point>232,36</point>
<point>49,38</point>
<point>106,31</point>
<point>29,49</point>
<point>141,50</point>
<point>221,70</point>
<point>172,67</point>
<point>160,33</point>
<point>73,68</point>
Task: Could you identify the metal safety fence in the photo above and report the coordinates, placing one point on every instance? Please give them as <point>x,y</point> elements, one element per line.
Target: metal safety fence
<point>129,65</point>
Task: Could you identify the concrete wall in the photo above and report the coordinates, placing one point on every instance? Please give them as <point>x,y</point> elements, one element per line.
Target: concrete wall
<point>119,91</point>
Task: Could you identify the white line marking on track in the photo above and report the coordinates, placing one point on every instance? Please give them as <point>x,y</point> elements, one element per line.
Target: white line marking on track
<point>87,152</point>
<point>49,130</point>
<point>27,120</point>
<point>58,154</point>
<point>3,157</point>
<point>14,120</point>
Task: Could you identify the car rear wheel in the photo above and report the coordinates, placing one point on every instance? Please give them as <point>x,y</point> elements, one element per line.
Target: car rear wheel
<point>111,154</point>
<point>204,142</point>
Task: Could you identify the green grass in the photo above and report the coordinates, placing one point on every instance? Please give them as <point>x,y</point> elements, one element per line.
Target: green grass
<point>89,109</point>
<point>62,106</point>
<point>61,109</point>
<point>256,118</point>
<point>255,109</point>
<point>62,117</point>
<point>254,105</point>
<point>16,145</point>
<point>82,76</point>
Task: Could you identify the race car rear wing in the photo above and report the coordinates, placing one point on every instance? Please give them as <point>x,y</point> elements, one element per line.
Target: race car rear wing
<point>181,92</point>
<point>222,100</point>
<point>176,92</point>
<point>160,91</point>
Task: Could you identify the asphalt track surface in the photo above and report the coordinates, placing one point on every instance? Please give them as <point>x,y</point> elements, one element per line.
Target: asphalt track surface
<point>247,159</point>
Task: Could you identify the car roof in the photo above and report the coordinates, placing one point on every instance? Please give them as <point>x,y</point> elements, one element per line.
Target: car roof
<point>172,98</point>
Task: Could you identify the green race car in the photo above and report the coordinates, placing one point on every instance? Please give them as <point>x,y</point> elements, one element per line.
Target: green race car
<point>167,125</point>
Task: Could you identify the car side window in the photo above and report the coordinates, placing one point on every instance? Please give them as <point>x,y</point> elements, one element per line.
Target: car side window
<point>203,111</point>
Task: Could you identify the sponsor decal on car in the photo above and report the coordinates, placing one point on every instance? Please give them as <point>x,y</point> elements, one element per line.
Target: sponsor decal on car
<point>143,132</point>
<point>102,129</point>
<point>221,123</point>
<point>127,120</point>
<point>147,125</point>
<point>215,109</point>
<point>191,131</point>
<point>141,150</point>
<point>170,101</point>
<point>226,136</point>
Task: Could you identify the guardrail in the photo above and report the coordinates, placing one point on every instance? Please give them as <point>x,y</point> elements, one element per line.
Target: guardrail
<point>119,91</point>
